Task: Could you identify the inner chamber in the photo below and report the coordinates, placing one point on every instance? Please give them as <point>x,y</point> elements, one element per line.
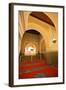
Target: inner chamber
<point>38,44</point>
<point>33,45</point>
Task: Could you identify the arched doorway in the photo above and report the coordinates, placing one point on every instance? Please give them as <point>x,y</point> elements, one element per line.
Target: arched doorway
<point>32,44</point>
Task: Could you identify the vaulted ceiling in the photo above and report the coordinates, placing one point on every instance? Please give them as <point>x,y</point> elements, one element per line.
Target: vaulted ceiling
<point>43,17</point>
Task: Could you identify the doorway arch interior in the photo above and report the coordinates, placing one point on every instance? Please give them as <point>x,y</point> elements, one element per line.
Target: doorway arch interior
<point>31,44</point>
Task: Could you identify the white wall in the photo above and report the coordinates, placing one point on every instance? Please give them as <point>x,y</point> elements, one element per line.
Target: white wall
<point>4,44</point>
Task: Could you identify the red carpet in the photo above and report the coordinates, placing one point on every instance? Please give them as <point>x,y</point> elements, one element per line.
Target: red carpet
<point>36,69</point>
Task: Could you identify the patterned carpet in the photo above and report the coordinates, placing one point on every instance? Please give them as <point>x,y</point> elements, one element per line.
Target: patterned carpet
<point>36,69</point>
